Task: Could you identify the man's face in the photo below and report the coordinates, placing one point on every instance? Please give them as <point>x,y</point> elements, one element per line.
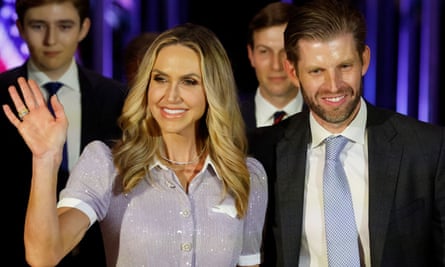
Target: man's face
<point>330,74</point>
<point>52,33</point>
<point>267,57</point>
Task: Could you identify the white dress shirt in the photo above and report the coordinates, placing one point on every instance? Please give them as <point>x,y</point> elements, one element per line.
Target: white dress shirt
<point>70,97</point>
<point>264,110</point>
<point>354,158</point>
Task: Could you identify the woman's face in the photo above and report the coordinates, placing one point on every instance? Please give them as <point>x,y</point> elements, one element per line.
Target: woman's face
<point>176,93</point>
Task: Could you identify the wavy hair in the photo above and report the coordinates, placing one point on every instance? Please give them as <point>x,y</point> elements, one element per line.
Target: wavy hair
<point>221,129</point>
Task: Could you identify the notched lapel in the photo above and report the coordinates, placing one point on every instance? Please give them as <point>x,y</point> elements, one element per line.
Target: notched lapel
<point>385,153</point>
<point>290,182</point>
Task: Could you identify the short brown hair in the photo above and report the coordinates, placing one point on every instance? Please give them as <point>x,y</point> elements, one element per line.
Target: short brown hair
<point>323,20</point>
<point>22,6</point>
<point>274,14</point>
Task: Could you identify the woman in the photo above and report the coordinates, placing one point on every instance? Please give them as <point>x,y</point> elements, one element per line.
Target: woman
<point>176,190</point>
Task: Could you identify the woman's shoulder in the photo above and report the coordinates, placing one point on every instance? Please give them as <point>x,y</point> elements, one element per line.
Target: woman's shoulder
<point>97,149</point>
<point>97,145</point>
<point>95,161</point>
<point>253,164</point>
<point>256,169</point>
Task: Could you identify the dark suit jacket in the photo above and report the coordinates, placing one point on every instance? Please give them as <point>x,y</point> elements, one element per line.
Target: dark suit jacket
<point>406,188</point>
<point>102,100</point>
<point>247,106</point>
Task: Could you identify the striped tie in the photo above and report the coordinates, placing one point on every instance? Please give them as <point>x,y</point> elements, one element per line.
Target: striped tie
<point>278,116</point>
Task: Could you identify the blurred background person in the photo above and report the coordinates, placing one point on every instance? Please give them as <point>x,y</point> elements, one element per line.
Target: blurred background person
<point>52,30</point>
<point>134,52</point>
<point>275,98</point>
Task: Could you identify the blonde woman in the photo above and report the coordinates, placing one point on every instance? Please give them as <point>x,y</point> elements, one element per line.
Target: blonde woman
<point>177,189</point>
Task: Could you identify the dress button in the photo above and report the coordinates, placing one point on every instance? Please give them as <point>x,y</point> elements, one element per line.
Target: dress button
<point>185,213</point>
<point>186,247</point>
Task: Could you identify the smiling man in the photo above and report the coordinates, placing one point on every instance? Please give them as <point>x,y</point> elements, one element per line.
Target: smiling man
<point>391,201</point>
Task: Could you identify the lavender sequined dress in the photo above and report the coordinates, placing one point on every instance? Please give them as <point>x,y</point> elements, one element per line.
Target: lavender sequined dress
<point>158,224</point>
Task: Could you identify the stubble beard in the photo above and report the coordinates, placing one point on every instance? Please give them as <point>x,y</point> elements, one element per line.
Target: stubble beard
<point>338,115</point>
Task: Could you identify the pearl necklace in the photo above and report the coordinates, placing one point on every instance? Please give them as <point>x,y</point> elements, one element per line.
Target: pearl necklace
<point>182,163</point>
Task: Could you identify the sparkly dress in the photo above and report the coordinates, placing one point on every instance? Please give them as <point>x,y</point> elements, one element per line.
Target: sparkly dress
<point>159,224</point>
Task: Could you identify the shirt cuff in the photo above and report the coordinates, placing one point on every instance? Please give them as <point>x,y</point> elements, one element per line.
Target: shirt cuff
<point>80,205</point>
<point>247,260</point>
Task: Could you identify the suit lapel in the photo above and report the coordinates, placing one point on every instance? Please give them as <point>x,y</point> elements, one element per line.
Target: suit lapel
<point>384,152</point>
<point>89,112</point>
<point>291,150</point>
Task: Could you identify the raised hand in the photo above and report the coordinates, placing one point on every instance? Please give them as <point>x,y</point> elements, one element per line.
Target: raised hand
<point>44,133</point>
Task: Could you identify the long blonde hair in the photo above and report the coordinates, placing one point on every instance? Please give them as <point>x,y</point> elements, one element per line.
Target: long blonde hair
<point>221,129</point>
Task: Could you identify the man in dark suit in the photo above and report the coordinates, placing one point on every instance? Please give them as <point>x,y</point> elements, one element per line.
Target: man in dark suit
<point>265,49</point>
<point>52,31</point>
<point>394,164</point>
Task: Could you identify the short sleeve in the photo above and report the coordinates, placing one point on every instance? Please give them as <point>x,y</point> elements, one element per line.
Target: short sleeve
<point>90,182</point>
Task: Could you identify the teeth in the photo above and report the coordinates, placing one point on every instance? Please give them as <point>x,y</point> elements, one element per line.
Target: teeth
<point>174,111</point>
<point>335,99</point>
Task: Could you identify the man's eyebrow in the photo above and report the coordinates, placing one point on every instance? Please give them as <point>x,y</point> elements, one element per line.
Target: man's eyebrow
<point>48,22</point>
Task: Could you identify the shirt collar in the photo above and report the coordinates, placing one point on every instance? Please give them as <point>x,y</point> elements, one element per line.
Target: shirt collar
<point>69,78</point>
<point>264,109</point>
<point>355,131</point>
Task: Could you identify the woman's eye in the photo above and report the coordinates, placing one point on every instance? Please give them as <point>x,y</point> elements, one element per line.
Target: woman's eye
<point>159,79</point>
<point>189,82</point>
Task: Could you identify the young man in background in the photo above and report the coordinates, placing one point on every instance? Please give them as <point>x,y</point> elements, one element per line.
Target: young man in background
<point>52,31</point>
<point>275,98</point>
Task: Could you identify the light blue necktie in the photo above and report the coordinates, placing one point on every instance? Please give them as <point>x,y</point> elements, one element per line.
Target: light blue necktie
<point>341,230</point>
<point>52,88</point>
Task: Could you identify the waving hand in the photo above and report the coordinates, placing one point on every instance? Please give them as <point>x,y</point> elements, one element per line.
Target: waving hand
<point>44,133</point>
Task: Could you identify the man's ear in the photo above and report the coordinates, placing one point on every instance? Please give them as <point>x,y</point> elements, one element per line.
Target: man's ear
<point>85,28</point>
<point>19,27</point>
<point>250,55</point>
<point>291,72</point>
<point>366,58</point>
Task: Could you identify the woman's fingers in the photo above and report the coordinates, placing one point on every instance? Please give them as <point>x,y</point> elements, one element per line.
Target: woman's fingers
<point>35,123</point>
<point>32,97</point>
<point>11,116</point>
<point>31,93</point>
<point>18,103</point>
<point>31,101</point>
